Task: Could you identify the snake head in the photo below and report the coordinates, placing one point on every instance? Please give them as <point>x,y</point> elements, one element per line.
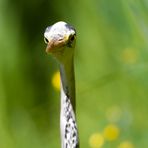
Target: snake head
<point>60,39</point>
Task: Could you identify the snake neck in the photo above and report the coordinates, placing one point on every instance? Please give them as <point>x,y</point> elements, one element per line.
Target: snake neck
<point>68,81</point>
<point>69,133</point>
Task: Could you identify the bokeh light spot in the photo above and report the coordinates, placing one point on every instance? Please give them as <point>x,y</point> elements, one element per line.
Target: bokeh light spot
<point>96,140</point>
<point>111,132</point>
<point>129,56</point>
<point>114,114</point>
<point>126,144</point>
<point>56,80</point>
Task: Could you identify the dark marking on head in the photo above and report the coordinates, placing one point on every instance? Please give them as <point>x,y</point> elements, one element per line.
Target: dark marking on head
<point>48,28</point>
<point>70,27</point>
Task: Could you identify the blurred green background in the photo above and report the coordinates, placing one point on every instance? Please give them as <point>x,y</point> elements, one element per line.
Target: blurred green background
<point>111,66</point>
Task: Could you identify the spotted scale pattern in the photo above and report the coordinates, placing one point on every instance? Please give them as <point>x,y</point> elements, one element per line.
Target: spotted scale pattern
<point>70,133</point>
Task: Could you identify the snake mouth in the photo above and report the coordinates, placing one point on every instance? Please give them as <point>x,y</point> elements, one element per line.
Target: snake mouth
<point>55,44</point>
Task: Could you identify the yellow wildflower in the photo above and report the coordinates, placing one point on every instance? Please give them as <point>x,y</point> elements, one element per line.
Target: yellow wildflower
<point>96,140</point>
<point>126,144</point>
<point>111,132</point>
<point>56,80</point>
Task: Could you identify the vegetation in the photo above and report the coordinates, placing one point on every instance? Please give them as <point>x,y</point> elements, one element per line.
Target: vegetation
<point>110,65</point>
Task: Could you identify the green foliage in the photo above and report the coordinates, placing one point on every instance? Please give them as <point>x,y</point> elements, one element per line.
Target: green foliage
<point>111,72</point>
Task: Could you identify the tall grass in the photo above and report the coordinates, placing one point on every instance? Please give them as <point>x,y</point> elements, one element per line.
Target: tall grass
<point>111,73</point>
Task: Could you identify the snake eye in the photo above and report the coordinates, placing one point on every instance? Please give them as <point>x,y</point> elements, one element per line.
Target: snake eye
<point>71,40</point>
<point>46,40</point>
<point>72,37</point>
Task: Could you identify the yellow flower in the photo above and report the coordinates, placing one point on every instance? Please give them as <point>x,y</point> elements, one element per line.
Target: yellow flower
<point>56,80</point>
<point>126,144</point>
<point>111,132</point>
<point>96,140</point>
<point>129,56</point>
